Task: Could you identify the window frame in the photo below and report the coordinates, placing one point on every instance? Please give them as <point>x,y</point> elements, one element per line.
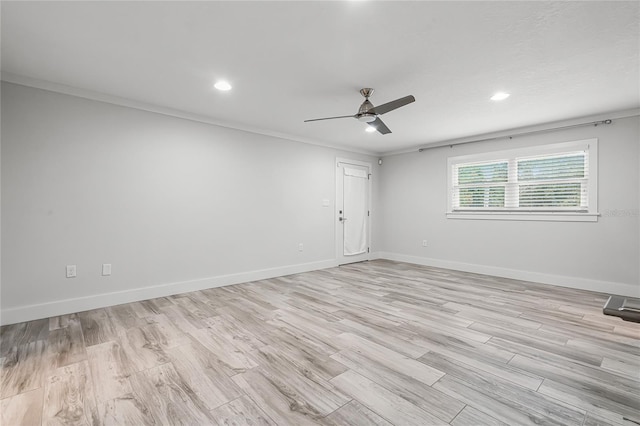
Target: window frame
<point>573,214</point>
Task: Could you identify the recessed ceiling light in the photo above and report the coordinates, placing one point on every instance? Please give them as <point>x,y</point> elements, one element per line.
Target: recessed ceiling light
<point>500,96</point>
<point>370,129</point>
<point>222,85</point>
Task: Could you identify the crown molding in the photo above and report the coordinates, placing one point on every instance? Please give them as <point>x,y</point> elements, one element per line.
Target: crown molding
<point>157,109</point>
<point>515,132</point>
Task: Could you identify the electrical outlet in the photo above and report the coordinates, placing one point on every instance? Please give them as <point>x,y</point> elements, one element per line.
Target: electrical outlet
<point>300,247</point>
<point>71,271</point>
<point>424,243</point>
<point>106,269</point>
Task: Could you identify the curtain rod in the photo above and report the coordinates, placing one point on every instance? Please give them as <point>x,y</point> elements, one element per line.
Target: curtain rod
<point>531,132</point>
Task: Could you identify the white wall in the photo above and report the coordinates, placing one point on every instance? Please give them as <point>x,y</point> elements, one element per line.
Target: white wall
<point>166,201</point>
<point>177,205</point>
<point>601,256</point>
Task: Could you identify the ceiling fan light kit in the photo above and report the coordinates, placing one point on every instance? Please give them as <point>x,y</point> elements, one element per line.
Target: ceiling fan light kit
<point>368,113</point>
<point>367,118</point>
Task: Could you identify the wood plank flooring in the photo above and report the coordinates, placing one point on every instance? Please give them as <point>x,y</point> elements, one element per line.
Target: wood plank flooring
<point>373,343</point>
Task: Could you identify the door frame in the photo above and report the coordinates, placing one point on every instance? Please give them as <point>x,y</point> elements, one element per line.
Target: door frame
<point>339,246</point>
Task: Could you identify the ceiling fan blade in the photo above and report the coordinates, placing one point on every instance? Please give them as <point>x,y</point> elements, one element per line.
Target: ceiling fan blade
<point>390,106</point>
<point>380,126</point>
<point>330,118</point>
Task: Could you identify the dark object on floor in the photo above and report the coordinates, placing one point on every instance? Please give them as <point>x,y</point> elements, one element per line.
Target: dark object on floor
<point>627,308</point>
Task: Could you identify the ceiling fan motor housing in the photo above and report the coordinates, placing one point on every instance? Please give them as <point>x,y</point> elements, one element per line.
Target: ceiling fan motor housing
<point>363,112</point>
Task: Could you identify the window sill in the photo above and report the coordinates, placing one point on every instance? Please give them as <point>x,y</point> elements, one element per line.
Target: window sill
<point>529,216</point>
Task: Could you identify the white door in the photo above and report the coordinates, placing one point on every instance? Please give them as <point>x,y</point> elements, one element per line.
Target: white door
<point>352,211</point>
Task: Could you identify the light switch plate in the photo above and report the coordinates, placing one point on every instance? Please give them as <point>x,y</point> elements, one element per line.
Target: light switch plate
<point>106,269</point>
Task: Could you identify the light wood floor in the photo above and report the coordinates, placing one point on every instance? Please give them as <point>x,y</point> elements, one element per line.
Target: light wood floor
<point>374,343</point>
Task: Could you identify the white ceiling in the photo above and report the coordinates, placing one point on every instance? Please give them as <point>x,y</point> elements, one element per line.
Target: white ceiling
<point>291,61</point>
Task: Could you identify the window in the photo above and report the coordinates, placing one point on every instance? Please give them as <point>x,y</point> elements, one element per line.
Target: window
<point>548,182</point>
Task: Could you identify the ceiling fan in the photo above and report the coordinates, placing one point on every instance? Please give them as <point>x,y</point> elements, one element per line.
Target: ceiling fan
<point>368,113</point>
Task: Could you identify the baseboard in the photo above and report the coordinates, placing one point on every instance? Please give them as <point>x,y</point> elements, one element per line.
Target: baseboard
<point>608,287</point>
<point>67,306</point>
<point>374,255</point>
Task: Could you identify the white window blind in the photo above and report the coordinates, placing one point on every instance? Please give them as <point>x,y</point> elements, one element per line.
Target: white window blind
<point>480,185</point>
<point>554,182</point>
<point>551,179</point>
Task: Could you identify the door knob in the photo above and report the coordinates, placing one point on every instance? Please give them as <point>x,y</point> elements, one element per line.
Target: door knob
<point>342,219</point>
